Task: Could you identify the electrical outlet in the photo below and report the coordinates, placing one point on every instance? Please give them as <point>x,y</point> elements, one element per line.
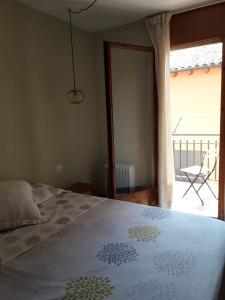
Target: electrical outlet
<point>59,168</point>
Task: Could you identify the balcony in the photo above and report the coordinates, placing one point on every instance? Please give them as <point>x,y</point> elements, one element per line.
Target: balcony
<point>189,150</point>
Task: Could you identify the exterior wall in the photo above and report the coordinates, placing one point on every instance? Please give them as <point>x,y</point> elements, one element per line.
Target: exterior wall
<point>199,93</point>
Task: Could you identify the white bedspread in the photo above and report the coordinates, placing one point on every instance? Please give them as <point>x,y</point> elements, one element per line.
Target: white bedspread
<point>118,250</point>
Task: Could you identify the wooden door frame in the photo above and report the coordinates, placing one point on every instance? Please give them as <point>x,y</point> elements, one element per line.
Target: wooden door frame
<point>108,46</point>
<point>222,139</point>
<point>221,195</point>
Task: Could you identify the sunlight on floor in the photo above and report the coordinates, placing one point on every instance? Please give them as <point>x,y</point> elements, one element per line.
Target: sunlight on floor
<point>191,203</point>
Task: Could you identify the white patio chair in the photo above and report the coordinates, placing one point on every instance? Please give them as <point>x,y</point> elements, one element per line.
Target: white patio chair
<point>201,172</point>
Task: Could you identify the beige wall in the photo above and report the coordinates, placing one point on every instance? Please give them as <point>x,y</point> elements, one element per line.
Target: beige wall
<point>38,128</point>
<point>134,33</point>
<point>132,107</point>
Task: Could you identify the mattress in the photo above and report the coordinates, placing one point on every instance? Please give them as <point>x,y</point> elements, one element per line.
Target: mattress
<point>94,249</point>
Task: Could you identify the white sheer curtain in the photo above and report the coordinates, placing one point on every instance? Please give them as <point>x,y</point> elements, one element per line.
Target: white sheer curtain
<point>159,31</point>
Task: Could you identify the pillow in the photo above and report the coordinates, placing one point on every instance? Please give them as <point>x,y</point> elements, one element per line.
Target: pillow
<point>42,192</point>
<point>17,207</point>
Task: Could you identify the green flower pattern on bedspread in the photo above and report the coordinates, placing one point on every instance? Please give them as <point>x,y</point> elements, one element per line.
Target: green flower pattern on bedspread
<point>32,240</point>
<point>88,288</point>
<point>61,210</point>
<point>144,233</point>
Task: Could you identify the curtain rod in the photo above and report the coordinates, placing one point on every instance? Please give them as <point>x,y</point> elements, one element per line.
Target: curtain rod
<point>196,7</point>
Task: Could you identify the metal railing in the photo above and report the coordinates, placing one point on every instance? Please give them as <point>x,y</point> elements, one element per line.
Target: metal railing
<point>189,150</point>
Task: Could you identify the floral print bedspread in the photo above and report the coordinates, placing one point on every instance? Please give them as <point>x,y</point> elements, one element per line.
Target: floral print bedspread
<point>120,251</point>
<point>60,210</point>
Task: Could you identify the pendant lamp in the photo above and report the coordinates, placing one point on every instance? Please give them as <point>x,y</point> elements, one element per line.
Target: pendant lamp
<point>75,95</point>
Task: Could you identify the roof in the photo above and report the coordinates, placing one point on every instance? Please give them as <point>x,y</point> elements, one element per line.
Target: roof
<point>200,57</point>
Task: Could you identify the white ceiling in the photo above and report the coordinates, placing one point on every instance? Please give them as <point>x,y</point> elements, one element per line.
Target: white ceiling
<point>109,13</point>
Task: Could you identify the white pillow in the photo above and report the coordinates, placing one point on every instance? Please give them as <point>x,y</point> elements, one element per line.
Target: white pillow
<point>17,207</point>
<point>42,192</point>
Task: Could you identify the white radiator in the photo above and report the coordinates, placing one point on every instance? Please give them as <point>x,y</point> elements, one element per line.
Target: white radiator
<point>125,177</point>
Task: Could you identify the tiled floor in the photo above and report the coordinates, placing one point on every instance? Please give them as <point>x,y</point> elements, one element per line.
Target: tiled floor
<point>191,203</point>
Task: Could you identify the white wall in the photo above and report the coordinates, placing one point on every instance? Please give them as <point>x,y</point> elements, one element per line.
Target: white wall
<point>38,127</point>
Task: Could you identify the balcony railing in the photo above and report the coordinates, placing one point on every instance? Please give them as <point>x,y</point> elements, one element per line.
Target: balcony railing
<point>189,150</point>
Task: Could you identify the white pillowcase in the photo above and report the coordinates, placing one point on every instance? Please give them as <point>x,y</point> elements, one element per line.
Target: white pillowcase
<point>42,192</point>
<point>17,207</point>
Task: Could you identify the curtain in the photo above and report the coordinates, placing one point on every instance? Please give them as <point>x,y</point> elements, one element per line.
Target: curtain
<point>159,31</point>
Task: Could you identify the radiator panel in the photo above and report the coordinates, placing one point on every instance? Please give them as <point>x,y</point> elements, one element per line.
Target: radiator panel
<point>125,177</point>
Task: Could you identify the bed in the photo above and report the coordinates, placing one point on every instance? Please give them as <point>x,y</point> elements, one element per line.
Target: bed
<point>95,248</point>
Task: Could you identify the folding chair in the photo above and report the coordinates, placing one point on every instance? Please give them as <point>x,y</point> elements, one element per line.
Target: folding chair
<point>201,172</point>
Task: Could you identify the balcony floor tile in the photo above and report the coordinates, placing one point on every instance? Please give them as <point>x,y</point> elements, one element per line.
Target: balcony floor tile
<point>191,203</point>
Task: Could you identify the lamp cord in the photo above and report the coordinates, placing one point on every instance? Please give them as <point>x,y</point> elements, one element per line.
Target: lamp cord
<point>72,51</point>
<point>71,36</point>
<point>83,9</point>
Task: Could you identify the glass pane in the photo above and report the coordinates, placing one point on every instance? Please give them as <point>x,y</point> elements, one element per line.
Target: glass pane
<point>195,101</point>
<point>133,112</point>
